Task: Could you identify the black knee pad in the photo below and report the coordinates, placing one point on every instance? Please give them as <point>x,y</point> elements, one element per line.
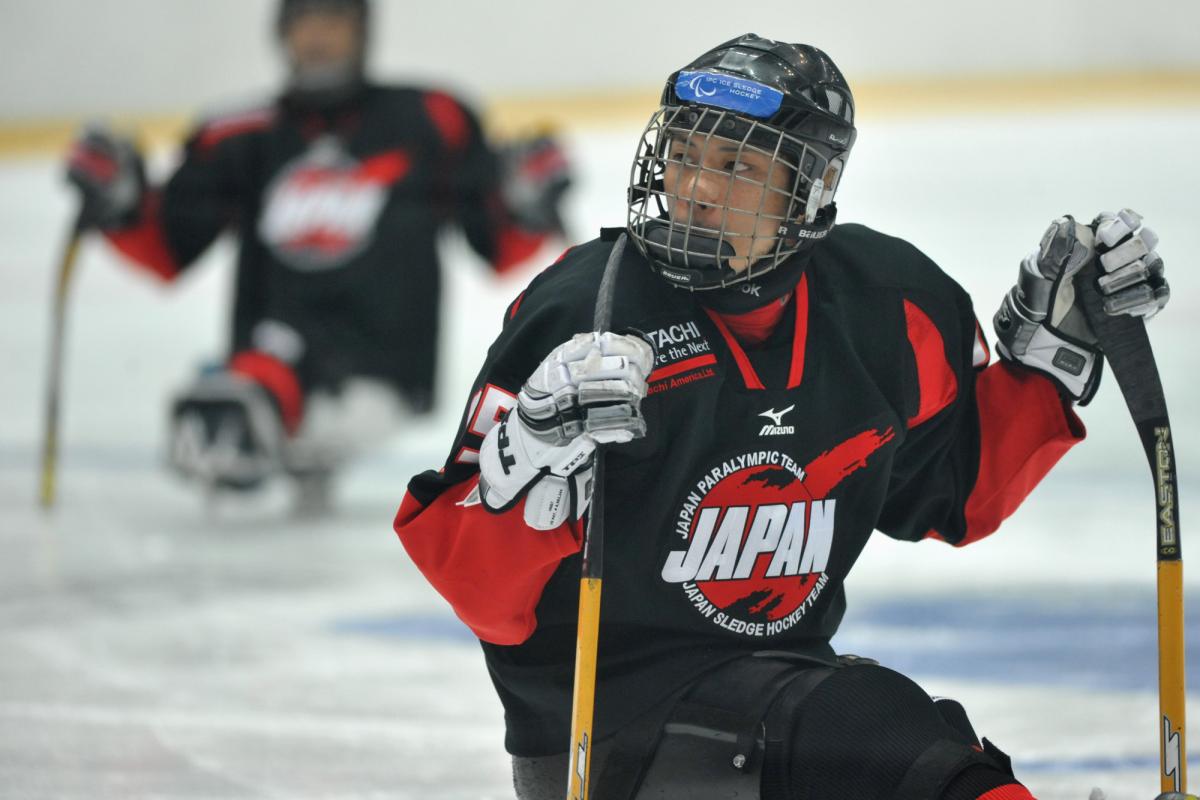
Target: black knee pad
<point>869,732</point>
<point>711,742</point>
<point>774,727</point>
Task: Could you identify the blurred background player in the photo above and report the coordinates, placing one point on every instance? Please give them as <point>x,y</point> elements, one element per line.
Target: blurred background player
<point>337,191</point>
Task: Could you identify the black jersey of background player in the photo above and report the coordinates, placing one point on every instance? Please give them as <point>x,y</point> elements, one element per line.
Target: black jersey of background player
<point>731,526</point>
<point>338,211</point>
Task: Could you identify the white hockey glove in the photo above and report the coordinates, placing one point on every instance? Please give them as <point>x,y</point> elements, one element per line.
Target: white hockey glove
<point>1041,326</point>
<point>587,391</point>
<point>225,432</point>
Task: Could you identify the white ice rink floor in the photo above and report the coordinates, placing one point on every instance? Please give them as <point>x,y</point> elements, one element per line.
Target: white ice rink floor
<point>151,647</point>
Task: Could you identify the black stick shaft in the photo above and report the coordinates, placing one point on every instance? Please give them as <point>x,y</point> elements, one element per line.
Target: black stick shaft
<point>1127,348</point>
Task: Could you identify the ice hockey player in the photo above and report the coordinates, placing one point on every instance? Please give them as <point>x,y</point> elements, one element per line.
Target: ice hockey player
<point>773,388</point>
<point>338,190</point>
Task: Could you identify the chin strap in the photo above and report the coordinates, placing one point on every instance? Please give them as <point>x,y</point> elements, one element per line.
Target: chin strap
<point>806,234</point>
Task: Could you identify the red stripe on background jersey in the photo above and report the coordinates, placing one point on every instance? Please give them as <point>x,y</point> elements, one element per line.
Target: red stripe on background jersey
<point>936,383</point>
<point>491,568</point>
<point>385,168</point>
<point>217,131</point>
<point>145,242</point>
<point>277,378</point>
<point>1013,791</point>
<point>449,119</point>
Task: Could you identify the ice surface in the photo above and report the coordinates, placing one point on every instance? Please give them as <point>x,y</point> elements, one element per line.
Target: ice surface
<point>153,647</point>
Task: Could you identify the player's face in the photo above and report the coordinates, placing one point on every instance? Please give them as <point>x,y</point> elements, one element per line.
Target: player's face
<point>320,38</point>
<point>727,189</point>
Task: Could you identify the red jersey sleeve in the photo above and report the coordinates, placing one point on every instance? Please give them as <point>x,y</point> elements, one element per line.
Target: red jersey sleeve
<point>1024,429</point>
<point>470,191</point>
<point>145,241</point>
<point>491,568</point>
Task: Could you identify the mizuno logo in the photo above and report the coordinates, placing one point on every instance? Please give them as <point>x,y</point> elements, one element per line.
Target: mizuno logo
<point>777,428</point>
<point>776,416</point>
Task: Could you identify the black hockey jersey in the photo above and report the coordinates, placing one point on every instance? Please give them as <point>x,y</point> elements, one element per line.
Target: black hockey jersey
<point>732,525</point>
<point>338,213</point>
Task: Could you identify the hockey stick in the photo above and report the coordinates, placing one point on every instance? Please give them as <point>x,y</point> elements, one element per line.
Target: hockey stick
<point>66,269</point>
<point>1127,348</point>
<point>583,700</point>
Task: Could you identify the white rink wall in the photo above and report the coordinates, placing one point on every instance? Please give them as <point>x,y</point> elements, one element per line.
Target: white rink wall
<point>79,57</point>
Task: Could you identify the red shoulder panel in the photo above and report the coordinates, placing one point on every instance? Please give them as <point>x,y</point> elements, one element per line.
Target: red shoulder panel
<point>449,119</point>
<point>935,378</point>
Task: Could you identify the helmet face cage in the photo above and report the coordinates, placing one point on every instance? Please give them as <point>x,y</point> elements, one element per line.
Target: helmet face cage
<point>752,230</point>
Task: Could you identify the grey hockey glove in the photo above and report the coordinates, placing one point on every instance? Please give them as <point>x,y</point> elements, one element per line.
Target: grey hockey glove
<point>1133,281</point>
<point>226,431</point>
<point>587,391</point>
<point>1039,324</point>
<point>108,171</point>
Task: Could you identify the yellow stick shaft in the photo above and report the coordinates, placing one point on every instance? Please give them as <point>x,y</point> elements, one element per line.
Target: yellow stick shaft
<point>49,471</point>
<point>1172,692</point>
<point>586,642</point>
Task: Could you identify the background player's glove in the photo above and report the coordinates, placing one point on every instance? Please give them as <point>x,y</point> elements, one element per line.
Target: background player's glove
<point>109,172</point>
<point>226,431</point>
<point>535,174</point>
<point>1133,281</point>
<point>588,391</point>
<point>1041,326</point>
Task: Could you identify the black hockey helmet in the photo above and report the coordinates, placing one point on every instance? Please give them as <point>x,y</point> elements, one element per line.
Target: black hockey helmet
<point>288,9</point>
<point>787,102</point>
<point>324,84</point>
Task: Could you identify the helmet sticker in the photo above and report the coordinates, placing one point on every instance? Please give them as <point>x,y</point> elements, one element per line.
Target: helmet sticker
<point>727,91</point>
